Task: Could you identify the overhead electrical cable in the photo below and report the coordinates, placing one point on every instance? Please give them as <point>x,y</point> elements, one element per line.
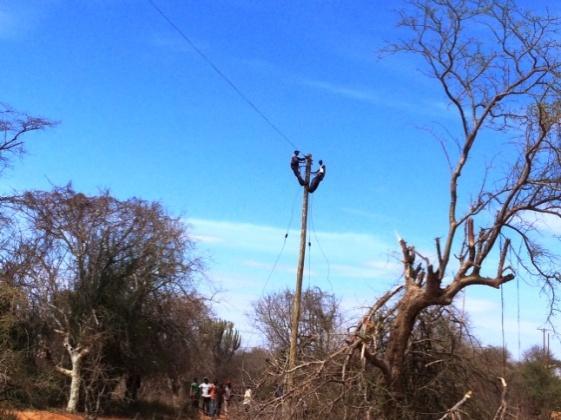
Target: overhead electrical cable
<point>463,320</point>
<point>503,328</point>
<point>518,313</point>
<point>274,267</point>
<point>503,318</point>
<point>309,261</point>
<point>319,244</point>
<point>223,76</point>
<point>292,207</point>
<point>518,298</point>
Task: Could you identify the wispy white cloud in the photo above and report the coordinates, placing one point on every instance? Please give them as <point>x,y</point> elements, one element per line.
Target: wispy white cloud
<point>285,268</point>
<point>545,222</point>
<point>361,267</point>
<point>380,98</point>
<point>366,214</point>
<point>488,321</point>
<point>263,239</point>
<point>240,236</point>
<point>481,306</point>
<point>355,266</point>
<point>207,239</point>
<point>375,269</point>
<point>361,94</point>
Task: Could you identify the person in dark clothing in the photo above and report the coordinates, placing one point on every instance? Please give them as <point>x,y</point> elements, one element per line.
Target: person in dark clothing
<point>219,399</point>
<point>295,166</point>
<point>228,393</point>
<point>279,391</point>
<point>195,393</point>
<point>319,175</point>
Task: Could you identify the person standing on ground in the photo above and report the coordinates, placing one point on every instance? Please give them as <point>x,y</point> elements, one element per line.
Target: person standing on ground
<point>195,394</point>
<point>247,399</point>
<point>205,387</point>
<point>213,392</point>
<point>219,398</point>
<point>227,396</point>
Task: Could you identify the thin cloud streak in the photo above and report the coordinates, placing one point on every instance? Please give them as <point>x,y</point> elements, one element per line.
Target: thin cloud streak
<point>207,239</point>
<point>364,95</point>
<point>428,108</point>
<point>263,239</point>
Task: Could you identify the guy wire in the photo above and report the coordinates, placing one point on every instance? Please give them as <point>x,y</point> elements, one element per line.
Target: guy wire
<point>283,244</point>
<point>319,244</point>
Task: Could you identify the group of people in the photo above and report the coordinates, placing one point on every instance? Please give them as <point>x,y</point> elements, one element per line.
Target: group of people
<point>296,162</point>
<point>214,398</point>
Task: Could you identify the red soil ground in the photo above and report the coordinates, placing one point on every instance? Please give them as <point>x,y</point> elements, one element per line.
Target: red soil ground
<point>46,415</point>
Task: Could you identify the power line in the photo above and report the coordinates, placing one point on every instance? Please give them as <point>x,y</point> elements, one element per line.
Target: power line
<point>503,319</point>
<point>283,244</point>
<point>292,207</point>
<point>223,76</point>
<point>319,244</point>
<point>274,264</point>
<point>309,262</point>
<point>518,312</point>
<point>503,328</point>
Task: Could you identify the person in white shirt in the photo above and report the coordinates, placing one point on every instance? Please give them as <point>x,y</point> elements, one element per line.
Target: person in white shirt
<point>205,394</point>
<point>247,399</point>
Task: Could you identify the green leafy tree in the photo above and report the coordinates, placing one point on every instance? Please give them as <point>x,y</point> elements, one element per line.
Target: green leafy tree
<point>220,343</point>
<point>105,271</point>
<point>537,385</point>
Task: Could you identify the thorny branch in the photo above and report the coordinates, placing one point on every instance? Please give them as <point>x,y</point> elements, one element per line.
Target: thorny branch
<point>507,82</point>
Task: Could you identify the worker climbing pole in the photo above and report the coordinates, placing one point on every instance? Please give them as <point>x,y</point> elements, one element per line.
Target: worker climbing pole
<point>309,185</point>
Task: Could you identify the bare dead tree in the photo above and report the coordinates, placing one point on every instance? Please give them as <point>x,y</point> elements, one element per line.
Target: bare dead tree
<point>499,68</point>
<point>13,126</point>
<point>318,329</point>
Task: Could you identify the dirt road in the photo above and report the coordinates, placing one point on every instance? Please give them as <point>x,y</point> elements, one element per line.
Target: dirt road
<point>47,415</point>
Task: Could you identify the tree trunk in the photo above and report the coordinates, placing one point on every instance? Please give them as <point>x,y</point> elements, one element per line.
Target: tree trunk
<point>411,305</point>
<point>75,381</point>
<point>75,373</point>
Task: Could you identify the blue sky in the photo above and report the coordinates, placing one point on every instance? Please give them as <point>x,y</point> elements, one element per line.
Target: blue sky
<point>142,114</point>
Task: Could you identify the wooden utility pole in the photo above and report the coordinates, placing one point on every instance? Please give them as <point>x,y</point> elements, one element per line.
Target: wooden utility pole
<point>545,348</point>
<point>296,304</point>
<point>543,330</point>
<point>309,185</point>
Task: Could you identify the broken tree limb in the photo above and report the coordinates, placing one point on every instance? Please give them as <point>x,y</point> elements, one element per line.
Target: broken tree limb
<point>452,411</point>
<point>501,411</point>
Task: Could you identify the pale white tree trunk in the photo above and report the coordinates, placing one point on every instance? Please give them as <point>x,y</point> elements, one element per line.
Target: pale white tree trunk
<point>76,357</point>
<point>75,381</point>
